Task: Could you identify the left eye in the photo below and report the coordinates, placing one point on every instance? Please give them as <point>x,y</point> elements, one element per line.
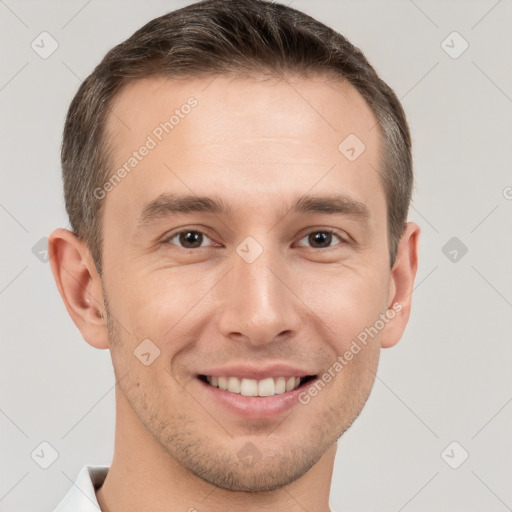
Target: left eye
<point>189,239</point>
<point>320,239</point>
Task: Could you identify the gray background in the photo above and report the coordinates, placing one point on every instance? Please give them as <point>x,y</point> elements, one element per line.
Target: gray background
<point>449,379</point>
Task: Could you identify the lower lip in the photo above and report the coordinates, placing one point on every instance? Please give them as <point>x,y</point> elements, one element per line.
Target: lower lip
<point>255,407</point>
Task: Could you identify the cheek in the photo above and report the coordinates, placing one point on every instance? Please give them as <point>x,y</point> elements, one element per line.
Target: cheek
<point>144,301</point>
<point>346,301</point>
<point>166,307</point>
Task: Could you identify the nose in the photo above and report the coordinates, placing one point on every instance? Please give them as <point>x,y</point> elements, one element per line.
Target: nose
<point>258,300</point>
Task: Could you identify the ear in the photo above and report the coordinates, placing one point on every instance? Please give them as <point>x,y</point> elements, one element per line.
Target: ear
<point>401,285</point>
<point>79,285</point>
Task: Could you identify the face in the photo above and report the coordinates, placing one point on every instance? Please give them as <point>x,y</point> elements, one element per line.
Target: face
<point>210,257</point>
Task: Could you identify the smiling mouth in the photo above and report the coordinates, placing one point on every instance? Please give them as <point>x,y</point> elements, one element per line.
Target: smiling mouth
<point>251,387</point>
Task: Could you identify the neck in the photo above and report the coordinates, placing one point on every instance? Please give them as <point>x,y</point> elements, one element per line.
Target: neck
<point>144,476</point>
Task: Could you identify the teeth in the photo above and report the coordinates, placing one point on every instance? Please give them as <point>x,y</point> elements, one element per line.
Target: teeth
<point>233,385</point>
<point>248,387</point>
<point>266,387</point>
<point>280,386</point>
<point>252,387</point>
<point>223,383</point>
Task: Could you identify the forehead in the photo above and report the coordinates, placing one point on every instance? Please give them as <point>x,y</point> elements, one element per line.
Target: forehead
<point>243,107</point>
<point>256,138</point>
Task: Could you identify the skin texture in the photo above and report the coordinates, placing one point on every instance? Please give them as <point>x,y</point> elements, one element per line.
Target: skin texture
<point>258,144</point>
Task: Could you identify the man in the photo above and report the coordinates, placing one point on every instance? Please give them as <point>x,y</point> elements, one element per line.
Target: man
<point>237,178</point>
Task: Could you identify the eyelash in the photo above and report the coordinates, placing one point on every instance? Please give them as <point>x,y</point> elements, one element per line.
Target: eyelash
<point>168,239</point>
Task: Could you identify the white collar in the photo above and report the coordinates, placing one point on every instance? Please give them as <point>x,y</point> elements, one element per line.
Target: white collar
<point>82,496</point>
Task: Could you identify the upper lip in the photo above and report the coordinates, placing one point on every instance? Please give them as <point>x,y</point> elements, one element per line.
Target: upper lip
<point>258,372</point>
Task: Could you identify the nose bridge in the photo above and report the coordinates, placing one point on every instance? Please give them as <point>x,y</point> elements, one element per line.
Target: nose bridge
<point>256,305</point>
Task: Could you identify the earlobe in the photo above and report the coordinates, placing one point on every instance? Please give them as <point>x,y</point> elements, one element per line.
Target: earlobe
<point>401,285</point>
<point>79,285</point>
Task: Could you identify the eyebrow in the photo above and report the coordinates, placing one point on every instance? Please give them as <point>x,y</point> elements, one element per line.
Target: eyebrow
<point>166,205</point>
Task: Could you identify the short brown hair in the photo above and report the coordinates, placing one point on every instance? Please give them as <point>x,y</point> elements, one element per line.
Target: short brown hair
<point>224,37</point>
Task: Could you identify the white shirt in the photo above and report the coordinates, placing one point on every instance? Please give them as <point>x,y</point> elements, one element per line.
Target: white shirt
<point>82,496</point>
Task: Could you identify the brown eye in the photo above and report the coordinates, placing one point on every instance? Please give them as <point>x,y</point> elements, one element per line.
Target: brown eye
<point>188,239</point>
<point>321,239</point>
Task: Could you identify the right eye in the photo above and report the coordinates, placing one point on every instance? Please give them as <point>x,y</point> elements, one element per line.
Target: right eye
<point>188,239</point>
